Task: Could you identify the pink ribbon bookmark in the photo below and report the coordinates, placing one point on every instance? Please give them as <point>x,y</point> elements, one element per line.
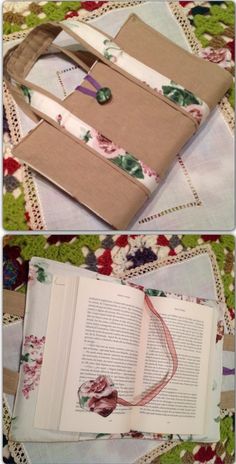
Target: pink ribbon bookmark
<point>101,396</point>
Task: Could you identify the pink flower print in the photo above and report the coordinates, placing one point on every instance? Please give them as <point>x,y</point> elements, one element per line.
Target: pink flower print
<point>221,56</point>
<point>220,331</point>
<point>31,359</point>
<point>149,171</point>
<point>195,111</point>
<point>32,274</point>
<point>98,396</point>
<point>104,146</point>
<point>59,119</point>
<point>103,406</point>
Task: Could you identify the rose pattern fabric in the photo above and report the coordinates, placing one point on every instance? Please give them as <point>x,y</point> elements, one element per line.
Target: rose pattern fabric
<point>100,142</point>
<point>31,361</point>
<point>38,272</point>
<point>220,56</point>
<point>196,112</point>
<point>185,99</point>
<point>124,160</point>
<point>98,396</point>
<point>220,331</point>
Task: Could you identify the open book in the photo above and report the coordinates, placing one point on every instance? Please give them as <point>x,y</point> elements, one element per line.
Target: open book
<point>101,328</point>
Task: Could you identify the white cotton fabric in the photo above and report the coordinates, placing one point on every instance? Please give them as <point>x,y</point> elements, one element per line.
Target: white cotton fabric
<point>105,451</point>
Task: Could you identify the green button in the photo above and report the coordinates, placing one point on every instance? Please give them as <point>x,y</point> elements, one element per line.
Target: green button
<point>103,95</point>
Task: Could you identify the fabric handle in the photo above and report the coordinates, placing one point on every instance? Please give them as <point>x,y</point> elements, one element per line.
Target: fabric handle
<point>106,50</point>
<point>13,303</point>
<point>36,44</point>
<point>10,381</point>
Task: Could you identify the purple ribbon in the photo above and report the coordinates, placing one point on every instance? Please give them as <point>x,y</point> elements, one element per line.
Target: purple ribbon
<point>227,371</point>
<point>89,92</point>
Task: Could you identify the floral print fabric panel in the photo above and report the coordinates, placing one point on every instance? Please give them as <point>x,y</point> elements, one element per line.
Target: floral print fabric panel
<point>31,360</point>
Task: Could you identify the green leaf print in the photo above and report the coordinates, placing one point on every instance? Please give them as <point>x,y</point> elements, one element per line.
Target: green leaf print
<point>42,275</point>
<point>152,292</point>
<point>180,96</point>
<point>26,92</point>
<point>83,400</point>
<point>129,164</point>
<point>99,435</point>
<point>108,55</point>
<point>24,358</point>
<point>87,136</point>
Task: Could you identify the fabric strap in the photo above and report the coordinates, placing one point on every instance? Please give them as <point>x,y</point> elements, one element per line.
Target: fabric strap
<point>229,342</point>
<point>172,351</point>
<point>227,400</point>
<point>10,381</point>
<point>13,303</point>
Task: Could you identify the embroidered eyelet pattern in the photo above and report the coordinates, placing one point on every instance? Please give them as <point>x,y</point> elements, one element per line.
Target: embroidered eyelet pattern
<point>197,202</point>
<point>59,76</point>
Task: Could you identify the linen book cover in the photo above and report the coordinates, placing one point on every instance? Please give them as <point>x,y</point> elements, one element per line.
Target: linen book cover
<point>99,332</point>
<point>160,104</point>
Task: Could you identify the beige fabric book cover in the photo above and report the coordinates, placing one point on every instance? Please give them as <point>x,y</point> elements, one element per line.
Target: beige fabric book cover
<point>138,119</point>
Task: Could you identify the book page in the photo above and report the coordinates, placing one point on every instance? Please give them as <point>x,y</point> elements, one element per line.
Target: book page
<point>105,341</point>
<point>181,406</point>
<point>56,354</point>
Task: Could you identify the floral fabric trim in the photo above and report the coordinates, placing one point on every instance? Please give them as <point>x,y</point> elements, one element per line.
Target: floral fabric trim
<point>31,360</point>
<point>38,272</point>
<point>221,56</point>
<point>85,133</point>
<point>182,97</point>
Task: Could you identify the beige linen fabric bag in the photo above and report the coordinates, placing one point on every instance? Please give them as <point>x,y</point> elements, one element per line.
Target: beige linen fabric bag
<point>146,123</point>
